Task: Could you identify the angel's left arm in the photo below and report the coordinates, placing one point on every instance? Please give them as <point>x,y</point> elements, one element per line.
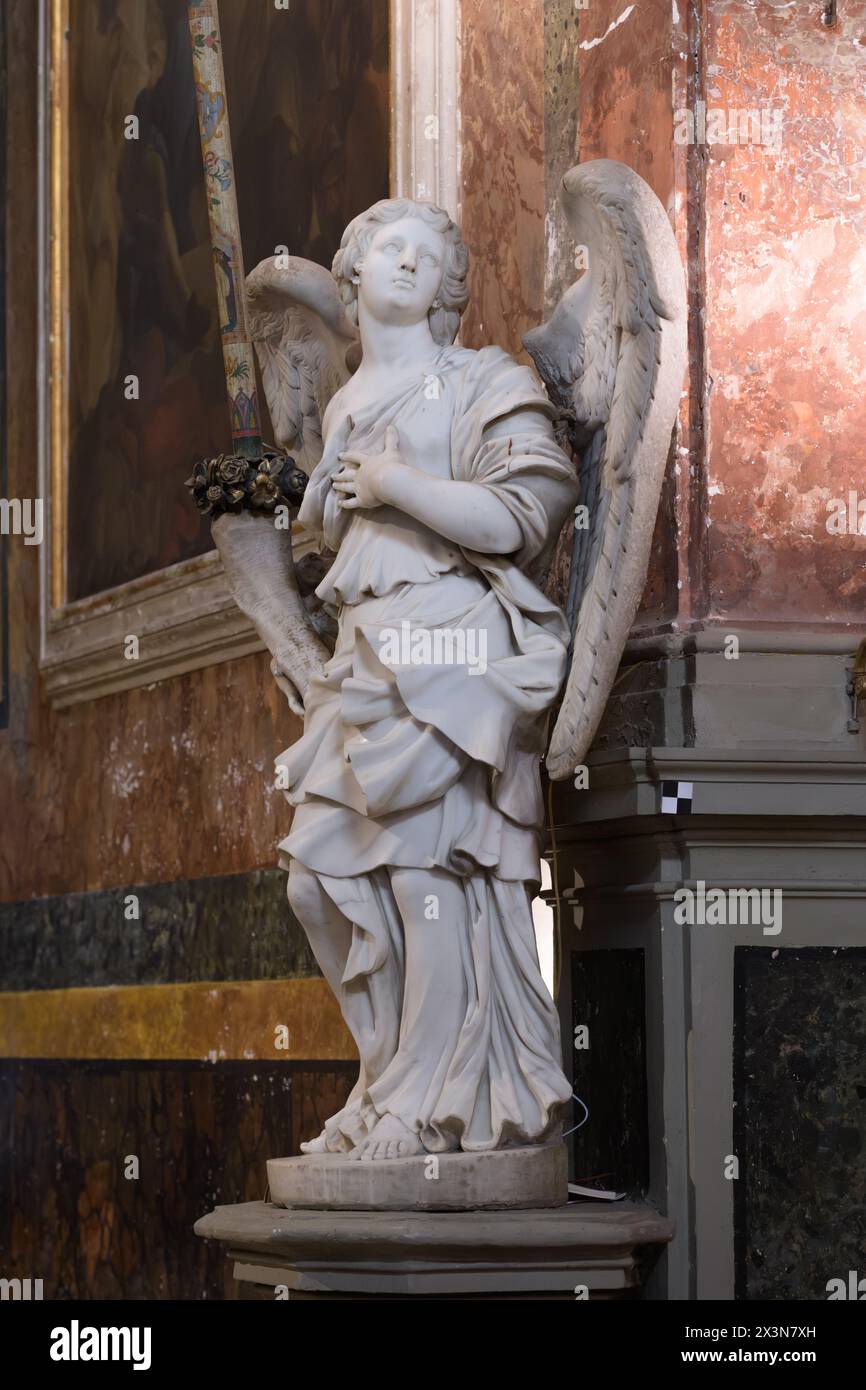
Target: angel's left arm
<point>470,514</point>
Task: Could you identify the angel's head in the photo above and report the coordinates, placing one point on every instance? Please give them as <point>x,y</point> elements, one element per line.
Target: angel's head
<point>405,261</point>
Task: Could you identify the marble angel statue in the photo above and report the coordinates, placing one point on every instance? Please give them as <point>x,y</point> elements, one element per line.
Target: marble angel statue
<point>438,487</point>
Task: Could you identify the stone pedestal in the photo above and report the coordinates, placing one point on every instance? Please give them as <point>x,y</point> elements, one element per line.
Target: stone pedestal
<point>581,1250</point>
<point>499,1179</point>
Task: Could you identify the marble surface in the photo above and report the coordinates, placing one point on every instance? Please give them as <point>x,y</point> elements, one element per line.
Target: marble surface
<point>232,927</point>
<point>501,1179</point>
<point>579,1250</point>
<point>417,806</point>
<point>608,994</point>
<point>785,315</point>
<point>202,1134</point>
<point>799,1119</point>
<point>502,215</point>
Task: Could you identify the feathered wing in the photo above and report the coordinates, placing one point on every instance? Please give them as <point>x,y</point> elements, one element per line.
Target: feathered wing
<point>613,355</point>
<point>302,336</point>
<point>305,345</point>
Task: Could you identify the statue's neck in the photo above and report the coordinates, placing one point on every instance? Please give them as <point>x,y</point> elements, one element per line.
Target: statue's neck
<point>389,346</point>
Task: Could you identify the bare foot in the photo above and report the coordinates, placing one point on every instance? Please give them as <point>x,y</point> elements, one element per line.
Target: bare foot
<point>389,1138</point>
<point>315,1146</point>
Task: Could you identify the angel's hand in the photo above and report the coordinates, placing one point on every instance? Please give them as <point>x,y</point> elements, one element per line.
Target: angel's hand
<point>289,687</point>
<point>363,478</point>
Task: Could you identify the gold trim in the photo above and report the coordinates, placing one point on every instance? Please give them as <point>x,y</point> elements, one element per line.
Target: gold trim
<point>204,1021</point>
<point>393,98</point>
<point>59,292</point>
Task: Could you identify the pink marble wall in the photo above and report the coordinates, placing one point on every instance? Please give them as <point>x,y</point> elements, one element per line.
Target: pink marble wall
<point>772,237</point>
<point>502,96</point>
<point>785,322</point>
<point>630,56</point>
<point>626,61</point>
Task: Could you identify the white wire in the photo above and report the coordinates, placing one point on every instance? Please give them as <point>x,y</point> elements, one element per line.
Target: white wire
<point>583,1121</point>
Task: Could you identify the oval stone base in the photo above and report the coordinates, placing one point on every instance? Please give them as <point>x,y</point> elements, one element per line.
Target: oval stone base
<point>496,1180</point>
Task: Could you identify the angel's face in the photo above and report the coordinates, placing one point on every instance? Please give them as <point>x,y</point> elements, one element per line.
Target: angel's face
<point>401,271</point>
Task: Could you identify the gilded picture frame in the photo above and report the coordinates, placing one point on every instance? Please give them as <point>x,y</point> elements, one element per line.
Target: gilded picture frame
<point>183,615</point>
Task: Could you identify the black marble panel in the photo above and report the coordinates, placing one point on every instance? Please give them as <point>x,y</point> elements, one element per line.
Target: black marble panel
<point>799,1119</point>
<point>611,1146</point>
<point>237,927</point>
<point>201,1134</point>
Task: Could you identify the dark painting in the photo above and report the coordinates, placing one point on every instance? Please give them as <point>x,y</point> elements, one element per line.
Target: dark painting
<point>308,105</point>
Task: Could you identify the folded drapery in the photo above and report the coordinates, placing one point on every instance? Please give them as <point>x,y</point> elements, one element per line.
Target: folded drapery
<point>417,781</point>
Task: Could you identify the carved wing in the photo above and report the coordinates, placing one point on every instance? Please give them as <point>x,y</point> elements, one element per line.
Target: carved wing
<point>613,355</point>
<point>302,337</point>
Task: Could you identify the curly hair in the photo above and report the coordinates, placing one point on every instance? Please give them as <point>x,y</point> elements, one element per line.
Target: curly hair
<point>453,295</point>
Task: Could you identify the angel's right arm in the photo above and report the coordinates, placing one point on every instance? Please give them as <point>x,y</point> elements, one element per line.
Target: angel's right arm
<point>319,513</point>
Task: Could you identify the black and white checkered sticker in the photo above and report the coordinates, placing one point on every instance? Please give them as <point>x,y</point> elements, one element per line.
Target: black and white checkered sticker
<point>676,798</point>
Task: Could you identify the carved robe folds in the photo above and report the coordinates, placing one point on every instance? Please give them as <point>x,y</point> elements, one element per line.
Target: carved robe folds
<point>417,787</point>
